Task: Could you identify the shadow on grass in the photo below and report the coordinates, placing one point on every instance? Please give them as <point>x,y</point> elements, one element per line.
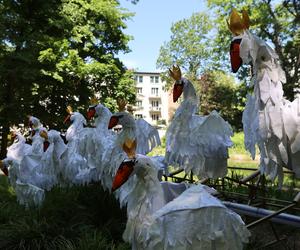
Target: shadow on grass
<point>79,217</point>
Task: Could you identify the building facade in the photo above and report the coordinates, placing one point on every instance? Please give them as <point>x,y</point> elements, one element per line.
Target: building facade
<point>153,102</point>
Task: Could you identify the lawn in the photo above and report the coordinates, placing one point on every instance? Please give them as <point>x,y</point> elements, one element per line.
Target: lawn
<point>80,218</point>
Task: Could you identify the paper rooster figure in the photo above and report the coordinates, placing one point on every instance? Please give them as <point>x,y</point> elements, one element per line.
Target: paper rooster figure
<point>270,121</point>
<point>198,144</point>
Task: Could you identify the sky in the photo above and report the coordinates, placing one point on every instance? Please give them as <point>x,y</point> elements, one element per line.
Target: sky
<point>151,27</point>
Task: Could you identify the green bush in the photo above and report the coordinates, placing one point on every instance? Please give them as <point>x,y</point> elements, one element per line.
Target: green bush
<point>79,217</point>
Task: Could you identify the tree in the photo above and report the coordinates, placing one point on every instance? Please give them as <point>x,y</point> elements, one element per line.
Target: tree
<point>55,53</point>
<point>188,46</point>
<point>275,21</point>
<point>220,92</point>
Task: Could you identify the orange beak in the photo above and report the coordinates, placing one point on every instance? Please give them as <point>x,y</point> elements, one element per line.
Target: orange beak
<point>114,120</point>
<point>235,59</point>
<point>177,91</point>
<point>67,119</point>
<point>122,174</point>
<point>91,113</point>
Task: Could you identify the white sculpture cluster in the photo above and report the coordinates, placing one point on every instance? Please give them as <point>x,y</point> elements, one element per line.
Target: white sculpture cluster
<point>161,215</point>
<point>48,161</point>
<point>270,121</point>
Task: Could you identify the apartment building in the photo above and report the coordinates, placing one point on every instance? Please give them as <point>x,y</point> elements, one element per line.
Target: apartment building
<point>153,103</point>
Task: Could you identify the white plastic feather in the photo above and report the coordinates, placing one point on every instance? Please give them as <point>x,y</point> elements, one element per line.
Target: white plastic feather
<point>148,137</point>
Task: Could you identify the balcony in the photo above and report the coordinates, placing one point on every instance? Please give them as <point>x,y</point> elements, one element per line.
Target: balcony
<point>154,109</point>
<point>155,96</point>
<point>138,107</point>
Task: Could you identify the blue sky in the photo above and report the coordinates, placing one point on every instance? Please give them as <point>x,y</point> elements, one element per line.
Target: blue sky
<point>150,28</point>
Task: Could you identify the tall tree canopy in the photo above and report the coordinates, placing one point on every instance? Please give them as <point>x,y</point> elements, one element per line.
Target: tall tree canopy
<point>59,52</point>
<point>276,22</point>
<point>200,45</point>
<point>219,91</point>
<point>188,46</point>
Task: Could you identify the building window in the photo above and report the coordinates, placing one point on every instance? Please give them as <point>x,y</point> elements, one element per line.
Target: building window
<point>154,91</point>
<point>155,117</point>
<point>154,103</point>
<point>139,90</point>
<point>137,116</point>
<point>136,78</point>
<point>139,103</point>
<point>140,78</point>
<point>154,79</point>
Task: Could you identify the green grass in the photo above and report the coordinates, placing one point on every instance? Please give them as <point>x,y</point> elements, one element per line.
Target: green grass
<point>82,217</point>
<point>160,150</point>
<point>238,144</point>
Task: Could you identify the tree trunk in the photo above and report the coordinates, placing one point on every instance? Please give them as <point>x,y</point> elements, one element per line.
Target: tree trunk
<point>5,133</point>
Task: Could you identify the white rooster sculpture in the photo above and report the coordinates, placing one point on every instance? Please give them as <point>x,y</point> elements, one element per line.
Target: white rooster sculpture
<point>172,216</point>
<point>101,138</point>
<point>193,142</point>
<point>133,138</point>
<point>270,121</point>
<point>74,165</point>
<point>37,141</point>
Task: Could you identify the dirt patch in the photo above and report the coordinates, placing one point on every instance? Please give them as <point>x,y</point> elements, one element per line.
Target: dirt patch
<point>266,233</point>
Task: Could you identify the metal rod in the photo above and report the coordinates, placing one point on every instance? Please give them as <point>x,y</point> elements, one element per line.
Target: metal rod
<point>254,169</point>
<point>241,183</point>
<point>280,206</point>
<point>295,202</point>
<point>175,172</point>
<point>264,214</point>
<point>268,200</point>
<point>204,180</point>
<point>251,176</point>
<point>273,242</point>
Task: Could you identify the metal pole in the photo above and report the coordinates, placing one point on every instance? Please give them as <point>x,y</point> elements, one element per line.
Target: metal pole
<point>262,213</point>
<point>251,176</point>
<point>295,203</point>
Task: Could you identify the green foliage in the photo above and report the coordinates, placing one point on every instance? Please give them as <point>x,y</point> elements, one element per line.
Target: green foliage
<point>83,217</point>
<point>238,143</point>
<point>124,90</point>
<point>58,53</point>
<point>160,150</point>
<point>274,21</point>
<point>219,91</point>
<point>188,46</point>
